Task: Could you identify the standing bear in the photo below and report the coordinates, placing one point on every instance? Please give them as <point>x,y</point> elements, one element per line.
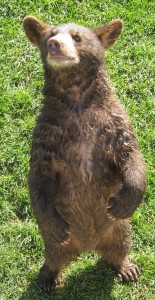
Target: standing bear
<point>87,176</point>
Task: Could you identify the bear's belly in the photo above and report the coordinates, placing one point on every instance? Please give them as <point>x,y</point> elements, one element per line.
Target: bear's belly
<point>85,209</point>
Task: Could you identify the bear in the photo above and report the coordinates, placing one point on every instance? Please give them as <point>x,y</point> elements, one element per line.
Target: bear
<point>87,174</point>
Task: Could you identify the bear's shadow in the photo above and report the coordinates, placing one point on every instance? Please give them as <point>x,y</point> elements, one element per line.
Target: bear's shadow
<point>92,283</point>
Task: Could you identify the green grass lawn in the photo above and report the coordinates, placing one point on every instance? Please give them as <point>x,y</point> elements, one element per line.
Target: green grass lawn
<point>131,64</point>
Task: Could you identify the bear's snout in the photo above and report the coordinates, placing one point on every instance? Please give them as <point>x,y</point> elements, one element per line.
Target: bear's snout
<point>53,45</point>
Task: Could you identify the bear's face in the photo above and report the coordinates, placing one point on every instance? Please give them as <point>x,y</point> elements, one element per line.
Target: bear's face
<point>66,44</point>
<point>69,44</point>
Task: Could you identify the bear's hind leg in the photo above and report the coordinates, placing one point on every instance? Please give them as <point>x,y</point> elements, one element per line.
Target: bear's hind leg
<point>114,246</point>
<point>57,257</point>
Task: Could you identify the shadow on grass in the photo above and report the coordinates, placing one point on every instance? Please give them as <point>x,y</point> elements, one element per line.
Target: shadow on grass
<point>92,283</point>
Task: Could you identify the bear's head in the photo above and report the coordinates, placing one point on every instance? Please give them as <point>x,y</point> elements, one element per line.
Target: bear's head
<point>69,44</point>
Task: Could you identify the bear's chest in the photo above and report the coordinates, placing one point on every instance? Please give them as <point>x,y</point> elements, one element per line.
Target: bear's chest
<point>79,159</point>
<point>78,147</point>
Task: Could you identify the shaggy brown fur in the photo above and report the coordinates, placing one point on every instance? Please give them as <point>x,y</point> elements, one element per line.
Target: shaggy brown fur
<point>87,175</point>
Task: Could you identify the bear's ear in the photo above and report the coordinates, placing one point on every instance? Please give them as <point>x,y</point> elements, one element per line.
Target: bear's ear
<point>34,29</point>
<point>109,33</point>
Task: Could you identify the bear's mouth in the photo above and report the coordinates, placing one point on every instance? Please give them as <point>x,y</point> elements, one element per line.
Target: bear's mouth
<point>60,57</point>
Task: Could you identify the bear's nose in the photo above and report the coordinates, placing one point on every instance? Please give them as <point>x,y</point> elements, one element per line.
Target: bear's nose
<point>53,45</point>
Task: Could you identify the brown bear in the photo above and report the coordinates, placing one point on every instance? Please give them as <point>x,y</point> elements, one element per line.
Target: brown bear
<point>87,175</point>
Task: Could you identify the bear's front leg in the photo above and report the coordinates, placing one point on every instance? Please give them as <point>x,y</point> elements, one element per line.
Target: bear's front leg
<point>123,204</point>
<point>44,192</point>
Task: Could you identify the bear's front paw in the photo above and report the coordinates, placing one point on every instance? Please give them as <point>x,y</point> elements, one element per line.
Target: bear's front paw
<point>60,233</point>
<point>60,229</point>
<point>117,209</point>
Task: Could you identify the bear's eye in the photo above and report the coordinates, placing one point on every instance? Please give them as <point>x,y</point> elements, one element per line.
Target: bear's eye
<point>76,38</point>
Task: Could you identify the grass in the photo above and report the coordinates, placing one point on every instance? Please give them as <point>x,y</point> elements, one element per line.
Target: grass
<point>131,64</point>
